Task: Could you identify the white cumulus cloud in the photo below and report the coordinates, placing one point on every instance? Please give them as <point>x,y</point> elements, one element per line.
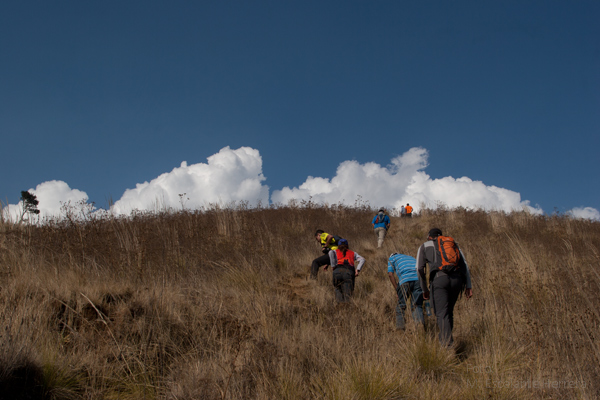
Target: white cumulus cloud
<point>585,213</point>
<point>402,182</point>
<point>52,197</point>
<point>229,175</point>
<point>236,175</point>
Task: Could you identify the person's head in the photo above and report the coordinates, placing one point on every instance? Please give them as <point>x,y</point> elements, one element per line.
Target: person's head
<point>395,254</point>
<point>434,233</point>
<point>343,244</point>
<point>407,204</point>
<point>318,234</point>
<point>381,210</point>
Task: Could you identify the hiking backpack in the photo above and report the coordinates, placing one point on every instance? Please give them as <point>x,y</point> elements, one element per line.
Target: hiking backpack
<point>447,254</point>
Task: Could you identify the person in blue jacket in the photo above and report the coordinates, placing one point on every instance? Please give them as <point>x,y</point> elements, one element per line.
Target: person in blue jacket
<point>381,224</point>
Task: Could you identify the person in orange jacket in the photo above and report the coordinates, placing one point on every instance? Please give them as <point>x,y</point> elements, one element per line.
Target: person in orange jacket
<point>409,210</point>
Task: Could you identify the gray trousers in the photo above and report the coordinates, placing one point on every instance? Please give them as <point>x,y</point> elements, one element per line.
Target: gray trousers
<point>445,290</point>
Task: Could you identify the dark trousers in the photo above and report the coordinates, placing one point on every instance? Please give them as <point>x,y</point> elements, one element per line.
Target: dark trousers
<point>318,263</point>
<point>445,290</point>
<point>343,281</point>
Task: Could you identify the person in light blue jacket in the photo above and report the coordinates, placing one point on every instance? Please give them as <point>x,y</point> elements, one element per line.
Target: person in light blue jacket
<point>402,271</point>
<point>381,224</point>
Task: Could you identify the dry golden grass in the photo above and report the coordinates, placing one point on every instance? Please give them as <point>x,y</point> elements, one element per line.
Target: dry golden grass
<point>217,305</point>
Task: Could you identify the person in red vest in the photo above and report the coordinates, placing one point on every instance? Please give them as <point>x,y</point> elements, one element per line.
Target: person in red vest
<point>409,210</point>
<point>346,267</point>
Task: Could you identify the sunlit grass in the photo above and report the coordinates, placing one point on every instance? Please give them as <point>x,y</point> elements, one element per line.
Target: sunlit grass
<point>217,305</point>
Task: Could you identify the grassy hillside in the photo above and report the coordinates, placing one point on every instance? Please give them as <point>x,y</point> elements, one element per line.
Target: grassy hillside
<point>217,305</point>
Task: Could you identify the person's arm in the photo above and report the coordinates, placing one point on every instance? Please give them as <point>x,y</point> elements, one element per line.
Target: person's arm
<point>360,260</point>
<point>392,277</point>
<point>421,262</point>
<point>328,240</point>
<point>468,287</point>
<point>332,260</point>
<point>391,274</point>
<point>387,225</point>
<point>325,244</point>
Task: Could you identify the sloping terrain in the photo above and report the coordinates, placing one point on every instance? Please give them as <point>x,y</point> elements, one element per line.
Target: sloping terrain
<point>217,305</point>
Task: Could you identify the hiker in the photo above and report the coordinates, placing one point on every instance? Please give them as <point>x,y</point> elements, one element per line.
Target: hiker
<point>346,267</point>
<point>402,212</point>
<point>407,286</point>
<point>328,242</point>
<point>448,276</point>
<point>381,224</point>
<point>409,210</point>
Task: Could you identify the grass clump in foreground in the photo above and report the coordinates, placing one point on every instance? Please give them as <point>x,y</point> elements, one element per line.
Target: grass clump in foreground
<point>216,305</point>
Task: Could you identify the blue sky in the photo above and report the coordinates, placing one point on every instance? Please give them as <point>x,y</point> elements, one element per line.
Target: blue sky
<point>108,95</point>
